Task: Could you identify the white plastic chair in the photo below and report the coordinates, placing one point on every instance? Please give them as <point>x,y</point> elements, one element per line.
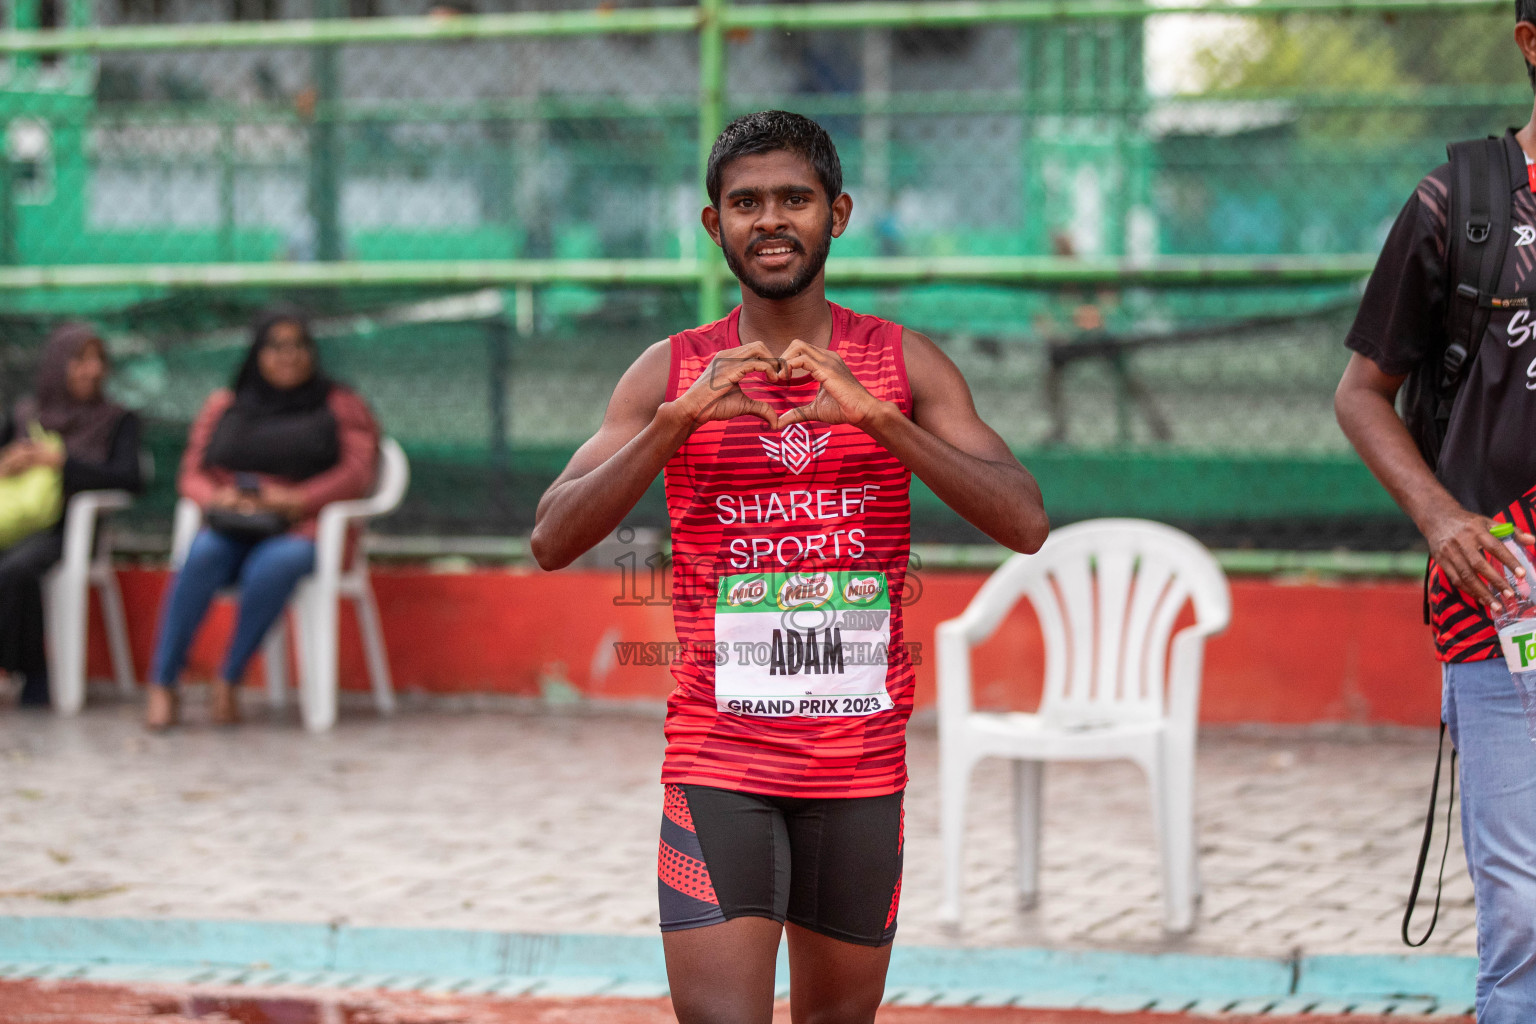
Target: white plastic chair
<point>1107,593</point>
<point>314,606</point>
<point>66,601</point>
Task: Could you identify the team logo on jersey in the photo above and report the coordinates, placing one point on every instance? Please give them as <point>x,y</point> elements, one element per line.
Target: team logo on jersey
<point>1525,234</point>
<point>796,447</point>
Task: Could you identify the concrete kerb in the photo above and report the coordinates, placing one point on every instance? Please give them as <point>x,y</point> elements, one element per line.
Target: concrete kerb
<point>149,949</point>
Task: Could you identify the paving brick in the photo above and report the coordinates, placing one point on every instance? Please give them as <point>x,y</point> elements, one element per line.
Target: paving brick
<point>1372,1007</point>
<point>1208,1007</point>
<point>547,823</point>
<point>1291,1006</point>
<point>513,986</point>
<point>1047,999</point>
<point>637,990</point>
<point>910,996</point>
<point>1251,1006</point>
<point>571,988</point>
<point>1117,1004</point>
<point>1454,1010</point>
<point>1331,1007</point>
<point>1412,1007</point>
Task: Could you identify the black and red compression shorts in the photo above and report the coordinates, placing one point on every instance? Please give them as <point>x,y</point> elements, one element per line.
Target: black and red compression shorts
<point>832,866</point>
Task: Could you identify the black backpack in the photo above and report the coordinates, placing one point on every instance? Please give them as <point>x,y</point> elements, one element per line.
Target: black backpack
<point>1478,226</point>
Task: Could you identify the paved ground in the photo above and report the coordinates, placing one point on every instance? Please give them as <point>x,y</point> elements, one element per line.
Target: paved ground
<point>547,821</point>
<point>74,1003</point>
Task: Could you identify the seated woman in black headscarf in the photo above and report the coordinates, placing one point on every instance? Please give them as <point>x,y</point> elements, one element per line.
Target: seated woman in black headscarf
<point>263,458</point>
<point>101,452</point>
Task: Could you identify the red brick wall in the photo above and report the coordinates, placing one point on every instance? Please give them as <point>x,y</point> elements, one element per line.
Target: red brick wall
<point>1295,653</point>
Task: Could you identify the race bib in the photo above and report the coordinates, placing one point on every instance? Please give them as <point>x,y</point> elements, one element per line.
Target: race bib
<point>813,644</point>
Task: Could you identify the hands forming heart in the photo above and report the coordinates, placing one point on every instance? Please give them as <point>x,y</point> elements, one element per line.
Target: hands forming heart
<point>840,397</point>
<point>717,394</point>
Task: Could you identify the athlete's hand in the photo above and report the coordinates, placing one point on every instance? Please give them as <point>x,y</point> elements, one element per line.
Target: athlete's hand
<point>717,394</point>
<point>840,399</point>
<point>1473,558</point>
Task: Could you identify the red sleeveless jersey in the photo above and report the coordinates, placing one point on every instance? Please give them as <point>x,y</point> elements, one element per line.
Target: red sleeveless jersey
<point>790,554</point>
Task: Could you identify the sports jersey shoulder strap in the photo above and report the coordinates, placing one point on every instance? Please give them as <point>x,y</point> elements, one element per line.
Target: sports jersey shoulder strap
<point>691,351</point>
<point>872,348</point>
<point>1478,227</point>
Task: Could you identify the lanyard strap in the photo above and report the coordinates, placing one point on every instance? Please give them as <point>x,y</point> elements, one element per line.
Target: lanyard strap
<point>1429,829</point>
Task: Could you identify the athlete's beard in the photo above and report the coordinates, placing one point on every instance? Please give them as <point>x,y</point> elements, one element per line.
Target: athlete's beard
<point>795,285</point>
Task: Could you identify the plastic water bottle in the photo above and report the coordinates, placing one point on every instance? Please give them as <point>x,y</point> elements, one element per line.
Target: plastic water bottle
<point>1516,624</point>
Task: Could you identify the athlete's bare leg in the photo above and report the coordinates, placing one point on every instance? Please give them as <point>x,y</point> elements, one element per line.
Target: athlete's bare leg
<point>723,973</point>
<point>834,982</point>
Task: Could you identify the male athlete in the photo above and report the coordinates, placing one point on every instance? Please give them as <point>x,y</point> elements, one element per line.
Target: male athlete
<point>788,433</point>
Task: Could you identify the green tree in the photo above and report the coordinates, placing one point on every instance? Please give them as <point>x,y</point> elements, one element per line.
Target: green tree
<point>1370,78</point>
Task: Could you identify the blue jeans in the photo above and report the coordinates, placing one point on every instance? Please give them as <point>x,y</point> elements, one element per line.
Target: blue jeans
<point>1498,826</point>
<point>266,572</point>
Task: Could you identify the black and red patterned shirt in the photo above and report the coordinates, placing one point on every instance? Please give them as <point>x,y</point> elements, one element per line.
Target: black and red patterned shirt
<point>1488,461</point>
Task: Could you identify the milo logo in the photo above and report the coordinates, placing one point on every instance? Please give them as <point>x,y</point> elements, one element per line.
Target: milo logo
<point>862,589</point>
<point>749,591</point>
<point>810,591</point>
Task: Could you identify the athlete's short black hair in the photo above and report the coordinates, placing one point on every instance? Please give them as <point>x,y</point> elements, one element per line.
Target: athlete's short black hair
<point>768,131</point>
<point>1525,10</point>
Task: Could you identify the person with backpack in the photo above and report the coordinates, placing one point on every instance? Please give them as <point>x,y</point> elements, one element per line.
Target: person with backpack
<point>1446,320</point>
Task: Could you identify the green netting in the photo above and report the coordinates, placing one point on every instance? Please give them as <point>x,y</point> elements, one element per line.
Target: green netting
<point>1118,142</point>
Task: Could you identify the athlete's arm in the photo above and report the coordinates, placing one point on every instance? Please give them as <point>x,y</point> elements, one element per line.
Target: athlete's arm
<point>945,443</point>
<point>641,430</point>
<point>1459,540</point>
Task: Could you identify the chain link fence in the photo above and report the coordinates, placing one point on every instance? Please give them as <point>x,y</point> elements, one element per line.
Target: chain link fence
<point>1139,231</point>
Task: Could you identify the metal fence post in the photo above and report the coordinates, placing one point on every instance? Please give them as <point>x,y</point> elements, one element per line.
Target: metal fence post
<point>498,338</point>
<point>325,154</point>
<point>711,120</point>
<point>9,245</point>
<point>226,158</point>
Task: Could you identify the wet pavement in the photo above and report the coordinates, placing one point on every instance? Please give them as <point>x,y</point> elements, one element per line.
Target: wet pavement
<point>510,817</point>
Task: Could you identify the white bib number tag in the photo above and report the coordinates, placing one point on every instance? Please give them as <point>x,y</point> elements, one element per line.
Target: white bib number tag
<point>811,644</point>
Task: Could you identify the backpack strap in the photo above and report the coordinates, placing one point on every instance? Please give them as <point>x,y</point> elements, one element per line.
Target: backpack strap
<point>1429,833</point>
<point>1477,239</point>
<point>1478,227</point>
